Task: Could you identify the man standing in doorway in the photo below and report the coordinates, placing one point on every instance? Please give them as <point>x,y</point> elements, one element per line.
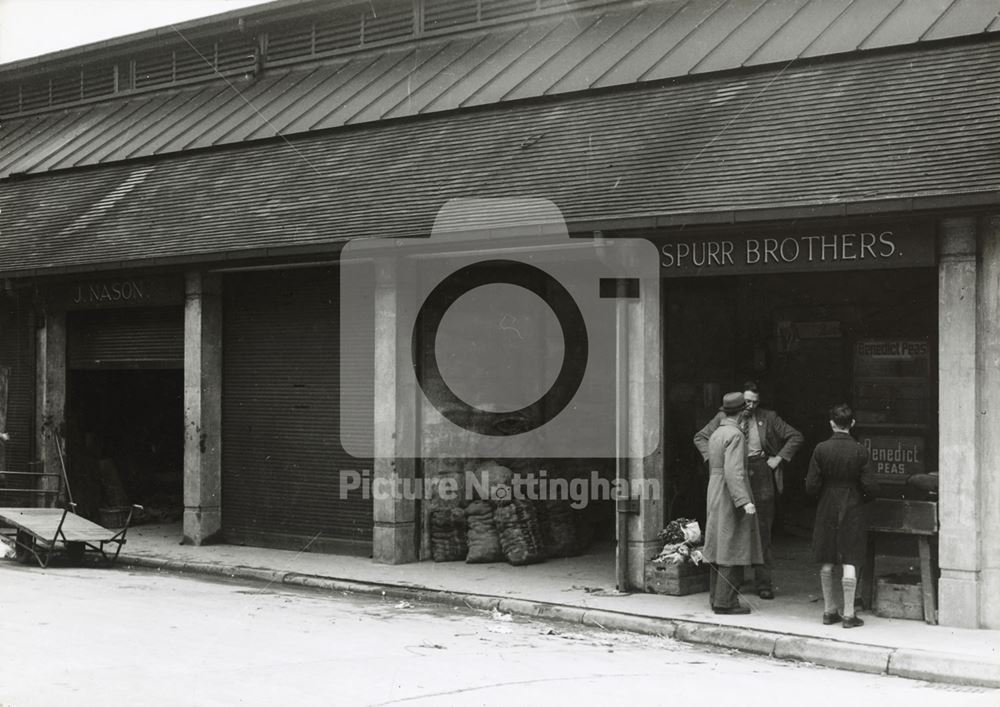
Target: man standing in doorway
<point>732,538</point>
<point>771,443</point>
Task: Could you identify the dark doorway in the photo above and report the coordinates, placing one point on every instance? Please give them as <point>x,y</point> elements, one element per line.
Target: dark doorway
<point>125,440</point>
<point>797,336</point>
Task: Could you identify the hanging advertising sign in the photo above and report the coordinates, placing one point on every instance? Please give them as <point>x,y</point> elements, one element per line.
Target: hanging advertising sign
<point>894,457</point>
<point>865,247</point>
<point>892,358</point>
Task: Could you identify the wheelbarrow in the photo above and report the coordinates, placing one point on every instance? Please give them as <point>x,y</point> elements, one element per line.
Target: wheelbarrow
<point>44,532</point>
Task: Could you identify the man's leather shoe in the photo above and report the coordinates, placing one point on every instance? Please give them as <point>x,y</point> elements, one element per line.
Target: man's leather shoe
<point>732,610</point>
<point>830,619</point>
<point>766,594</point>
<point>852,622</point>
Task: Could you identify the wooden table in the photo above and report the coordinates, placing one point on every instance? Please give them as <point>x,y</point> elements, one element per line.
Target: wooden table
<point>917,519</point>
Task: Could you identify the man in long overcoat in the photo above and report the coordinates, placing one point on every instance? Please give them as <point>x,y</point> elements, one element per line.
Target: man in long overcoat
<point>771,443</point>
<point>732,538</point>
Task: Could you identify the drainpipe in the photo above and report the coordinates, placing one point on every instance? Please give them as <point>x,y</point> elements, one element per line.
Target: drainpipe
<point>623,506</point>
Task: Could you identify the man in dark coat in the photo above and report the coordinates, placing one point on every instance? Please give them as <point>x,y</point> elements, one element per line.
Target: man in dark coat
<point>771,443</point>
<point>732,538</point>
<point>839,471</point>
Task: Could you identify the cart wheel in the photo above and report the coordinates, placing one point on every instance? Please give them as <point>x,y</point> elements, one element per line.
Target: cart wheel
<point>74,551</point>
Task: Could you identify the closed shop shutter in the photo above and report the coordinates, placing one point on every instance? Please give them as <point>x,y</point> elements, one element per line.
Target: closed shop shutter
<point>17,356</point>
<point>282,451</point>
<point>150,337</point>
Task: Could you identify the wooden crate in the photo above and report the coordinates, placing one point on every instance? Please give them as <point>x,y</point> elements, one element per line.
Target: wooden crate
<point>676,580</point>
<point>899,597</point>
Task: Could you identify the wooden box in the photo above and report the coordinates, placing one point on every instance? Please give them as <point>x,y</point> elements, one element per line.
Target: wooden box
<point>899,597</point>
<point>676,580</point>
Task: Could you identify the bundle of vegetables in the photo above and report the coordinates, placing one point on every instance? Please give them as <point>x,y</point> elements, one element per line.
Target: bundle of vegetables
<point>682,543</point>
<point>484,540</point>
<point>448,542</point>
<point>520,534</point>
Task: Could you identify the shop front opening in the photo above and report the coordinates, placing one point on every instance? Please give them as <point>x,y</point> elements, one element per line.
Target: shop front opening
<point>124,427</point>
<point>125,441</point>
<point>809,340</point>
<point>499,349</point>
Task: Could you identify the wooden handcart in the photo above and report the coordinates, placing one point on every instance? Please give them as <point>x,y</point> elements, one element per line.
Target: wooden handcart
<point>44,532</point>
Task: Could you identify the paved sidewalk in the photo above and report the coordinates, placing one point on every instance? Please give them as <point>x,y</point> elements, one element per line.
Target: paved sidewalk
<point>582,590</point>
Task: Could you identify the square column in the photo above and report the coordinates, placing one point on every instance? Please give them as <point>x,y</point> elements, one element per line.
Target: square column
<point>202,408</point>
<point>50,396</point>
<point>645,431</point>
<point>987,512</point>
<point>395,537</point>
<point>958,461</point>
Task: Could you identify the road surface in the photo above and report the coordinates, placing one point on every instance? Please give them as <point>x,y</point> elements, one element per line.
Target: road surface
<point>120,637</point>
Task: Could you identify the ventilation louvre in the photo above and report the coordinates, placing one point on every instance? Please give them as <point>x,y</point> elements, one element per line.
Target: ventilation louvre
<point>97,81</point>
<point>287,40</point>
<point>499,9</point>
<point>442,14</point>
<point>10,100</point>
<point>340,31</point>
<point>66,87</point>
<point>383,22</point>
<point>151,69</point>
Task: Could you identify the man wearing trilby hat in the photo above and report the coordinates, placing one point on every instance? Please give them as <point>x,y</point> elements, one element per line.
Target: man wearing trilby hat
<point>732,537</point>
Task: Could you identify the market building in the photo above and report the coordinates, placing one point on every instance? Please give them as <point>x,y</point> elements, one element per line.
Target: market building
<point>821,180</point>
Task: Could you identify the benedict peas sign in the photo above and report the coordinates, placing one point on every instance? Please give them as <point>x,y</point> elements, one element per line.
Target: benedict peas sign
<point>756,252</point>
<point>894,457</point>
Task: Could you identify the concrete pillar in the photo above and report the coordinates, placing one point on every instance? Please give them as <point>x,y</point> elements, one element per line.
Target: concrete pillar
<point>645,429</point>
<point>988,495</point>
<point>51,398</point>
<point>958,433</point>
<point>395,539</point>
<point>202,408</point>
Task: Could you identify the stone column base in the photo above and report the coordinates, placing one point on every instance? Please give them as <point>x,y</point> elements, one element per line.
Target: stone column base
<point>202,526</point>
<point>394,543</point>
<point>958,599</point>
<point>989,616</point>
<point>639,554</point>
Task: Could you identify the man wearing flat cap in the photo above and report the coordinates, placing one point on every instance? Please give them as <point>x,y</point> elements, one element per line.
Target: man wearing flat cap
<point>732,538</point>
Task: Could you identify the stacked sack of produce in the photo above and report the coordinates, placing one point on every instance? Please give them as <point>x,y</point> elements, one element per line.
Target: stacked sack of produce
<point>448,541</point>
<point>558,528</point>
<point>491,480</point>
<point>520,533</point>
<point>484,540</point>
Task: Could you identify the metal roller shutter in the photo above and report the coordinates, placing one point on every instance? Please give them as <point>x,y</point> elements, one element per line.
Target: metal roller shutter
<point>17,351</point>
<point>126,338</point>
<point>282,454</point>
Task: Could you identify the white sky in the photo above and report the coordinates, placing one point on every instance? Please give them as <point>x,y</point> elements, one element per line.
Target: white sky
<point>32,27</point>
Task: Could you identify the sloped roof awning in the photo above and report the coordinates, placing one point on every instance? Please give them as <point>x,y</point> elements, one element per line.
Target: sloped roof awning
<point>899,125</point>
<point>616,45</point>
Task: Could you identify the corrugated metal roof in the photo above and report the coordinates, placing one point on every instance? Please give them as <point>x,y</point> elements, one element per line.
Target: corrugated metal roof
<point>615,46</point>
<point>900,125</point>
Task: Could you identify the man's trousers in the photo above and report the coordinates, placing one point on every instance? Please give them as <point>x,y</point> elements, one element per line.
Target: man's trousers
<point>723,585</point>
<point>762,487</point>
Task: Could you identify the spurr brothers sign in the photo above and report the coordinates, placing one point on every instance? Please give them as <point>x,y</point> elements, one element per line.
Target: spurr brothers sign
<point>871,247</point>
